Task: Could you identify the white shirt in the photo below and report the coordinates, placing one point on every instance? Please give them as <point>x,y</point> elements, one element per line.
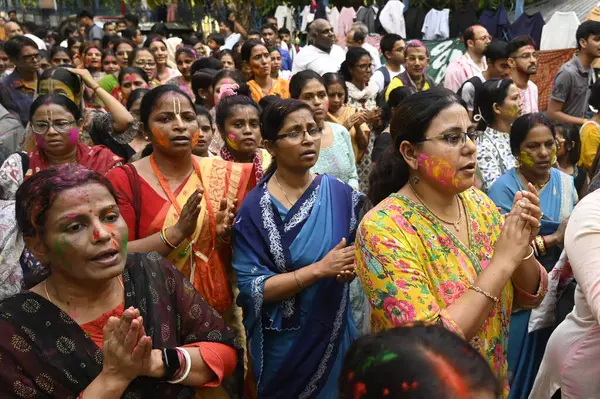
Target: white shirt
<point>311,57</point>
<point>333,15</point>
<point>461,70</point>
<point>392,18</point>
<point>559,32</point>
<point>40,43</point>
<point>375,57</point>
<point>530,98</point>
<point>379,80</point>
<point>285,18</point>
<point>307,18</point>
<point>436,25</point>
<point>230,41</point>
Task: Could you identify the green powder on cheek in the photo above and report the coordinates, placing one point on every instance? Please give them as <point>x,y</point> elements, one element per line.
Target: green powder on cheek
<point>125,240</point>
<point>58,248</point>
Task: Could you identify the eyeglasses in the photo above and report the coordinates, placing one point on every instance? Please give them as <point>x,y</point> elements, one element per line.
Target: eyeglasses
<point>484,38</point>
<point>414,59</point>
<point>528,56</point>
<point>31,57</point>
<point>456,139</point>
<point>364,67</point>
<point>61,126</point>
<point>142,63</point>
<point>297,136</point>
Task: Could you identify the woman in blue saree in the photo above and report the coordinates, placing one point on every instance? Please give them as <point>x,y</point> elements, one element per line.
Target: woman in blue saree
<point>533,143</point>
<point>293,263</point>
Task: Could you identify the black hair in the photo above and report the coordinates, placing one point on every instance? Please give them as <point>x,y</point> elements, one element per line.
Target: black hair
<point>493,91</point>
<point>202,79</point>
<point>63,75</point>
<point>14,46</point>
<point>150,99</point>
<point>253,32</point>
<point>129,32</point>
<point>135,52</point>
<point>398,95</point>
<point>11,12</point>
<point>108,23</point>
<point>331,78</point>
<point>521,127</point>
<point>218,38</point>
<point>154,38</point>
<point>358,36</point>
<point>515,44</point>
<point>29,26</point>
<point>229,24</point>
<point>72,40</point>
<point>228,104</point>
<point>135,70</point>
<point>415,361</point>
<point>409,123</point>
<point>247,48</point>
<point>387,42</point>
<point>37,194</point>
<point>91,46</point>
<point>225,73</point>
<point>570,133</point>
<point>190,41</point>
<point>134,96</point>
<point>125,41</point>
<point>45,54</point>
<point>132,18</point>
<point>496,50</point>
<point>85,14</point>
<point>268,100</point>
<point>585,30</point>
<point>300,80</point>
<point>203,111</point>
<point>270,49</point>
<point>284,31</point>
<point>273,119</point>
<point>269,26</point>
<point>186,50</point>
<point>160,29</point>
<point>111,39</point>
<point>205,63</point>
<point>352,57</point>
<point>57,99</point>
<point>235,56</point>
<point>594,100</point>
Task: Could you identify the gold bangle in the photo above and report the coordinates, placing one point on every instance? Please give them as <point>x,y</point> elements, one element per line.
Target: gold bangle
<point>539,242</point>
<point>96,88</point>
<point>484,293</point>
<point>165,240</point>
<point>300,286</point>
<point>530,254</point>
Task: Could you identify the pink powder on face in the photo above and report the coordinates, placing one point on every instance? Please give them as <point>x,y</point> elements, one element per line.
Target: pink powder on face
<point>39,139</point>
<point>73,135</point>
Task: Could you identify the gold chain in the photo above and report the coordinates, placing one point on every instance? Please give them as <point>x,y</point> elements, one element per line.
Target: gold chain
<point>455,224</point>
<point>283,191</point>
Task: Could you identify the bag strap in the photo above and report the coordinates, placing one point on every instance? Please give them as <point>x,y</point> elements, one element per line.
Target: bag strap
<point>136,193</point>
<point>386,77</point>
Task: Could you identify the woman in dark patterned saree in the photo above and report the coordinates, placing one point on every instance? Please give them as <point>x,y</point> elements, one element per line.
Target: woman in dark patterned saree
<point>104,325</point>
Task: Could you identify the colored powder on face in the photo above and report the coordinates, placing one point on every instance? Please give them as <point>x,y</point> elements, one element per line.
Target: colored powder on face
<point>526,159</point>
<point>125,241</point>
<point>96,234</point>
<point>195,138</point>
<point>58,248</point>
<point>553,156</point>
<point>230,139</point>
<point>161,138</point>
<point>73,135</point>
<point>438,168</point>
<point>514,112</point>
<point>39,139</point>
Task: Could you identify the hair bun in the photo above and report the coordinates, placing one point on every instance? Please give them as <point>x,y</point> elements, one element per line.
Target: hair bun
<point>228,90</point>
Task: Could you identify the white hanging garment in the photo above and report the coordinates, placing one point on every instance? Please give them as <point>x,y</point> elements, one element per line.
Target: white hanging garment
<point>436,25</point>
<point>307,18</point>
<point>559,31</point>
<point>392,18</point>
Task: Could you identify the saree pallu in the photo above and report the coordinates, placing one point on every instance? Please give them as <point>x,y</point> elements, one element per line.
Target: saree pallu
<point>281,88</point>
<point>45,353</point>
<point>557,200</point>
<point>296,345</point>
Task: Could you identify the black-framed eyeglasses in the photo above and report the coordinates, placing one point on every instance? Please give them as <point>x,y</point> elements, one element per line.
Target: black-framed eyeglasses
<point>61,126</point>
<point>456,139</point>
<point>31,57</point>
<point>298,135</point>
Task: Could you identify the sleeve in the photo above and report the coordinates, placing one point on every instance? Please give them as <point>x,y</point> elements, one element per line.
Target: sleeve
<point>590,140</point>
<point>353,175</point>
<point>394,277</point>
<point>287,64</point>
<point>488,165</point>
<point>378,80</point>
<point>468,95</point>
<point>120,182</point>
<point>220,358</point>
<point>562,86</point>
<point>453,79</point>
<point>582,243</point>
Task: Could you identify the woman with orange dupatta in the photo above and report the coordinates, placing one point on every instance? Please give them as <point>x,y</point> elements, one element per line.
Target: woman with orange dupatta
<point>180,205</point>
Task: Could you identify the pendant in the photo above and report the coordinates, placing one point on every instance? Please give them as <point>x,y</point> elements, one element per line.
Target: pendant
<point>456,226</point>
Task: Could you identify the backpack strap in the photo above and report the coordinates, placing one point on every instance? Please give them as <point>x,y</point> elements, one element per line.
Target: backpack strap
<point>386,77</point>
<point>136,194</point>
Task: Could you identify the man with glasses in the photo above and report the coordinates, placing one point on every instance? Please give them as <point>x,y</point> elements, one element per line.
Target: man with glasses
<point>473,62</point>
<point>522,58</point>
<point>321,55</point>
<point>417,61</point>
<point>18,89</point>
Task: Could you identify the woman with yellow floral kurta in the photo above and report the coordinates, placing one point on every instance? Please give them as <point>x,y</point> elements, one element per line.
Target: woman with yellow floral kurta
<point>437,249</point>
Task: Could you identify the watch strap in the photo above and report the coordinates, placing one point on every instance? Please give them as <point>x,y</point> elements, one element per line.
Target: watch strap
<point>170,359</point>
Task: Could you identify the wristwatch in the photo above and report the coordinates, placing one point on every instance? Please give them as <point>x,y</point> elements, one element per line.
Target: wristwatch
<point>170,359</point>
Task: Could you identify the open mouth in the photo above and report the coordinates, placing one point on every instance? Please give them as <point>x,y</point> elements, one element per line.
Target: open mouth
<point>107,258</point>
<point>470,167</point>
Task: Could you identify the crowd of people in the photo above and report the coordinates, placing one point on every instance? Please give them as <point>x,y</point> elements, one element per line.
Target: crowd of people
<point>236,216</point>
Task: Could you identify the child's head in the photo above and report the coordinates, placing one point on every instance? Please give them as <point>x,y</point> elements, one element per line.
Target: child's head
<point>215,41</point>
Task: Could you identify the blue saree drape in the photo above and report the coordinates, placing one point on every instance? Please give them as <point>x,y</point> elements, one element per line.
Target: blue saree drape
<point>557,200</point>
<point>296,345</point>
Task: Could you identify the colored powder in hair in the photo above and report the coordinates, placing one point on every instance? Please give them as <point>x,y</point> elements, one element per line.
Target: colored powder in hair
<point>438,168</point>
<point>195,138</point>
<point>73,135</point>
<point>160,137</point>
<point>230,140</point>
<point>39,140</point>
<point>449,375</point>
<point>526,159</point>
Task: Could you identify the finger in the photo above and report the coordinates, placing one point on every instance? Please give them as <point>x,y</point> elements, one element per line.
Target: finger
<point>533,198</point>
<point>342,244</point>
<point>531,188</point>
<point>124,323</point>
<point>223,205</point>
<point>142,349</point>
<point>131,338</point>
<point>533,210</point>
<point>531,220</point>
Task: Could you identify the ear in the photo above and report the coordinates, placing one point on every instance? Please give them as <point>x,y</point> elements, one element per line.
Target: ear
<point>80,123</point>
<point>37,248</point>
<point>410,154</point>
<point>496,109</point>
<point>269,146</point>
<point>511,62</point>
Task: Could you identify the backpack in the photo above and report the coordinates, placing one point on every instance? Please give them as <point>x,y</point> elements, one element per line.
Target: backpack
<point>387,78</point>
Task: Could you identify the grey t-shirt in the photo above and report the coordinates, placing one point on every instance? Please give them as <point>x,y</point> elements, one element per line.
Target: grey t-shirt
<point>95,33</point>
<point>572,88</point>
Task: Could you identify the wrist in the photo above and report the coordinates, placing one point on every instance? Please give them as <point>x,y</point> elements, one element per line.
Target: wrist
<point>505,264</point>
<point>319,270</point>
<point>157,366</point>
<point>113,382</point>
<point>174,235</point>
<point>550,240</point>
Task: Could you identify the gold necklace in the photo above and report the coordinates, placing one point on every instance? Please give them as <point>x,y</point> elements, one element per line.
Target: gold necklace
<point>283,191</point>
<point>538,186</point>
<point>48,295</point>
<point>455,224</point>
